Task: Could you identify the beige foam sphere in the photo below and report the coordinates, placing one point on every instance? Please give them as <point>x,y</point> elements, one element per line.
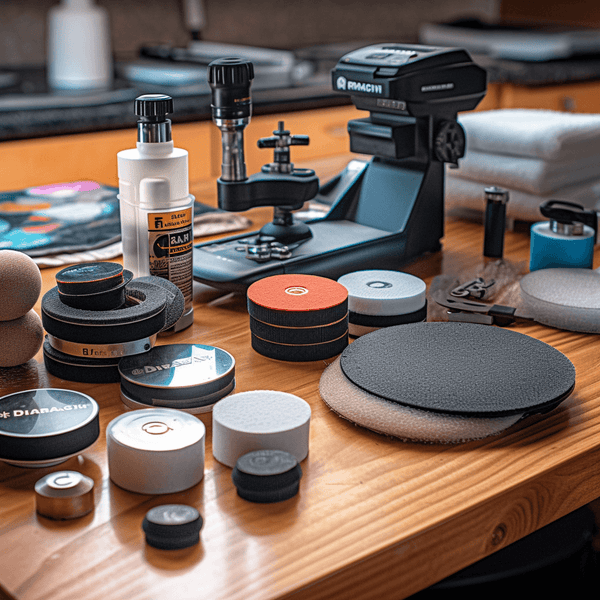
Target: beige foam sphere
<point>20,339</point>
<point>20,284</point>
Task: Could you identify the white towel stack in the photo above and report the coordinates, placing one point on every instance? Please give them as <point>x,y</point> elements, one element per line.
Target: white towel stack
<point>537,155</point>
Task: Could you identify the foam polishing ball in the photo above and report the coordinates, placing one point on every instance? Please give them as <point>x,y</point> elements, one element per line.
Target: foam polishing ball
<point>20,339</point>
<point>20,284</point>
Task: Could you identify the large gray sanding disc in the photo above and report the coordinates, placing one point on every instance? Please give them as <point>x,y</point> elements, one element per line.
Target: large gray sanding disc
<point>460,368</point>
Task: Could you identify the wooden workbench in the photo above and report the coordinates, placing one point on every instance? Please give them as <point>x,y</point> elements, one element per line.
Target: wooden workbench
<point>376,518</point>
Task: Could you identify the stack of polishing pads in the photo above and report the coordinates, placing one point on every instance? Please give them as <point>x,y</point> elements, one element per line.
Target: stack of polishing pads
<point>298,317</point>
<point>21,333</point>
<point>445,382</point>
<point>92,330</point>
<point>382,299</point>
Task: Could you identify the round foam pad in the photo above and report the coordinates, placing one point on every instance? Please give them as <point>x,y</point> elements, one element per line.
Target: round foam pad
<point>260,420</point>
<point>142,317</point>
<point>20,339</point>
<point>172,526</point>
<point>78,368</point>
<point>299,352</point>
<point>564,298</point>
<point>20,284</point>
<point>383,293</point>
<point>89,278</point>
<point>267,476</point>
<point>390,418</point>
<point>175,298</point>
<point>297,300</point>
<point>460,368</point>
<point>298,335</point>
<point>104,300</point>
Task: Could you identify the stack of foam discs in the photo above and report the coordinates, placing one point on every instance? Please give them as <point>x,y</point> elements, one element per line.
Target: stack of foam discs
<point>87,345</point>
<point>93,286</point>
<point>383,298</point>
<point>445,382</point>
<point>189,377</point>
<point>298,317</point>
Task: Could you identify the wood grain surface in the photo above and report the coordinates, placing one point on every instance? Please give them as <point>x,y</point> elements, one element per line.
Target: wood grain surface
<point>376,518</point>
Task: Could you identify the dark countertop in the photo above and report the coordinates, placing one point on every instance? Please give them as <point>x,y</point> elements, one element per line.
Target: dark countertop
<point>114,110</point>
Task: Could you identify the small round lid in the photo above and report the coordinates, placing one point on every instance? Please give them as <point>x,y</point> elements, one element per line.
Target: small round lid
<point>89,278</point>
<point>193,374</point>
<point>156,430</point>
<point>44,427</point>
<point>172,526</point>
<point>64,495</point>
<point>267,476</point>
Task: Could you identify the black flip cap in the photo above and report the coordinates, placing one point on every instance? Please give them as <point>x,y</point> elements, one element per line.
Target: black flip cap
<point>172,526</point>
<point>267,476</point>
<point>230,79</point>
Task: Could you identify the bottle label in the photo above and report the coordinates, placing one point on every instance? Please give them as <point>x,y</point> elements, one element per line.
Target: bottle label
<point>170,241</point>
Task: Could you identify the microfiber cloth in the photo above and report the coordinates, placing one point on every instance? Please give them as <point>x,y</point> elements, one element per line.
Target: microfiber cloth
<point>546,134</point>
<point>463,193</point>
<point>532,175</point>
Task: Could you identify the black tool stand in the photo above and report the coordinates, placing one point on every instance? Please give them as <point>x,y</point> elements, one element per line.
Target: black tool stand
<point>384,212</point>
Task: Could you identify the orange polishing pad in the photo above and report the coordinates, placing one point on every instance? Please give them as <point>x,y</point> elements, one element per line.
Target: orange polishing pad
<point>297,300</point>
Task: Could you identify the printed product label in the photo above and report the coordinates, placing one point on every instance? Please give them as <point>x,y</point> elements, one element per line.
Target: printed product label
<point>170,241</point>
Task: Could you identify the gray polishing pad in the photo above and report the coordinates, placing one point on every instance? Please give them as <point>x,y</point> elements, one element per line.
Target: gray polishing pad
<point>410,424</point>
<point>460,369</point>
<point>564,298</point>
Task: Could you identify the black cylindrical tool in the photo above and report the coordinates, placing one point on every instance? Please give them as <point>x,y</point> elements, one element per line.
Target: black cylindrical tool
<point>495,221</point>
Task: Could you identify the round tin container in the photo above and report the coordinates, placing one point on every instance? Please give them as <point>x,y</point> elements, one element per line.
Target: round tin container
<point>155,451</point>
<point>182,376</point>
<point>44,427</point>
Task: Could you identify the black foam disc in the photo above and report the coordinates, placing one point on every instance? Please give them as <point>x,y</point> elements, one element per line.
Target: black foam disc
<point>299,352</point>
<point>78,368</point>
<point>143,317</point>
<point>89,278</point>
<point>267,476</point>
<point>172,526</point>
<point>460,368</point>
<point>298,335</point>
<point>104,300</point>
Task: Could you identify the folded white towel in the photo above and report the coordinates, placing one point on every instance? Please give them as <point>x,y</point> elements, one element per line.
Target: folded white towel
<point>533,175</point>
<point>546,134</point>
<point>463,193</point>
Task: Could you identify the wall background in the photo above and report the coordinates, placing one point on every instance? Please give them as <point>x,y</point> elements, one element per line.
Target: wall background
<point>270,23</point>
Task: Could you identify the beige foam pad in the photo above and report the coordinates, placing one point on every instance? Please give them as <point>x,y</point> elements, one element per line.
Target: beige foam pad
<point>391,418</point>
<point>563,298</point>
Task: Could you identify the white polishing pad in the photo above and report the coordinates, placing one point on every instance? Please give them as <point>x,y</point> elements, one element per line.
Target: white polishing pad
<point>383,293</point>
<point>260,420</point>
<point>391,418</point>
<point>563,298</point>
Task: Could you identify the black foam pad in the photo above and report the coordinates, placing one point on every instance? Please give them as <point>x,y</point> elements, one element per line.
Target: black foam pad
<point>78,368</point>
<point>299,352</point>
<point>141,318</point>
<point>175,298</point>
<point>460,368</point>
<point>298,335</point>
